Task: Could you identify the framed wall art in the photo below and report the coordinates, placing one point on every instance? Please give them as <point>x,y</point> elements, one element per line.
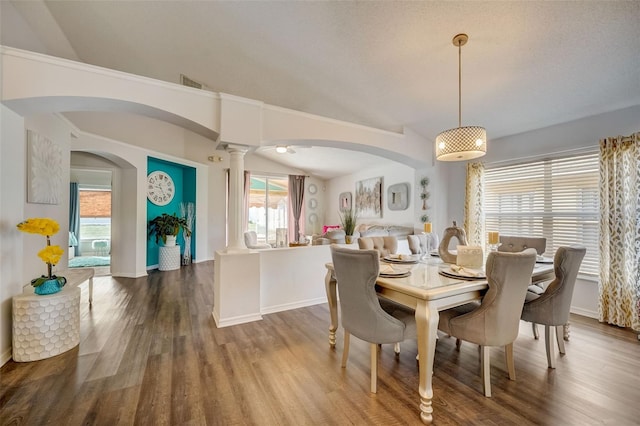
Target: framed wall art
<point>369,198</point>
<point>344,201</point>
<point>44,170</point>
<point>398,196</point>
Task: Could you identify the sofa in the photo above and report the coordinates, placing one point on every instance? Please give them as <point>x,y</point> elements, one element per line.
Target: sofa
<point>331,236</point>
<point>379,230</point>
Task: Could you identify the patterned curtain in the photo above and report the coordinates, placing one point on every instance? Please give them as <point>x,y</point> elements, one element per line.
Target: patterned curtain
<point>296,201</point>
<point>620,231</point>
<point>473,210</point>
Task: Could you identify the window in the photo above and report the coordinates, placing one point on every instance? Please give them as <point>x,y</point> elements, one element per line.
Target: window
<point>556,199</point>
<point>95,215</point>
<point>268,206</point>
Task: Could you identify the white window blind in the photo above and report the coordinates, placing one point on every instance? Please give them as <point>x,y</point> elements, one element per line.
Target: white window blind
<point>557,199</point>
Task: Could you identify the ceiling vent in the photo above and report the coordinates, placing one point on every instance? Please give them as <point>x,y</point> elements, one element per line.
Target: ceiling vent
<point>186,81</point>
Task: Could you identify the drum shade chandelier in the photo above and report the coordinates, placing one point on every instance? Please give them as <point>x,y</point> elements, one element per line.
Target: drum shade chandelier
<point>461,143</point>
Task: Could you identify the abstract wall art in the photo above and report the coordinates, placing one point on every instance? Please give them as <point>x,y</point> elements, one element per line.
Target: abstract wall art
<point>44,170</point>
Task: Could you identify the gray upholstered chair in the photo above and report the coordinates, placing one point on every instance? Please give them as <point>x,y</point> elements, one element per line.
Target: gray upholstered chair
<point>251,241</point>
<point>517,244</point>
<point>551,308</point>
<point>495,320</point>
<point>361,314</point>
<point>418,242</point>
<point>384,245</point>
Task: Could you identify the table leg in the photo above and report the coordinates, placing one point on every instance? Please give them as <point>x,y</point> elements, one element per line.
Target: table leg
<point>91,291</point>
<point>427,323</point>
<point>330,287</point>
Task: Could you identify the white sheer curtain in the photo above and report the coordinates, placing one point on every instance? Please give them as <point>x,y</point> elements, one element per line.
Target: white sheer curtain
<point>473,206</point>
<point>620,231</point>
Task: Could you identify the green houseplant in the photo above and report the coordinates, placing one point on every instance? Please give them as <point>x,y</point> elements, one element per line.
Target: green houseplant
<point>167,225</point>
<point>348,222</point>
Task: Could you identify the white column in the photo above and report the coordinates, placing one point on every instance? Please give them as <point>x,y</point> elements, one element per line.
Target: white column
<point>236,196</point>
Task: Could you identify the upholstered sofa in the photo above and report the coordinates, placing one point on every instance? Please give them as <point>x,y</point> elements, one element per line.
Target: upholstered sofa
<point>379,230</point>
<point>332,236</point>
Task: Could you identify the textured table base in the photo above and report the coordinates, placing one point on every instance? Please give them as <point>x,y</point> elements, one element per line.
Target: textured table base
<point>45,326</point>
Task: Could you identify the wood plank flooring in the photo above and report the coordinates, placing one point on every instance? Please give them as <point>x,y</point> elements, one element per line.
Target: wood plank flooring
<point>150,354</point>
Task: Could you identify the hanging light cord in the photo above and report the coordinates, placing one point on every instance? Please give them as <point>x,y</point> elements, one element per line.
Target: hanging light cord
<point>459,84</point>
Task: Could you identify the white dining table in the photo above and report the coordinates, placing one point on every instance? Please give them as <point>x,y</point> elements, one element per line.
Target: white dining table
<point>428,292</point>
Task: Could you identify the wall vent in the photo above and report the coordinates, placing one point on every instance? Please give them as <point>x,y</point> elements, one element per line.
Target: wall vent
<point>186,81</point>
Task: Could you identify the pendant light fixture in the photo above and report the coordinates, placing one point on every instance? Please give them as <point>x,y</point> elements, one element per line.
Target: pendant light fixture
<point>461,143</point>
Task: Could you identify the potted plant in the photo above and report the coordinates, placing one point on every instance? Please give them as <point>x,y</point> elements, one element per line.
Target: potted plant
<point>348,222</point>
<point>167,227</point>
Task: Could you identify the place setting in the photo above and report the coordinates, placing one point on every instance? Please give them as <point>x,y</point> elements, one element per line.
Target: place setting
<point>393,271</point>
<point>401,258</point>
<point>464,272</point>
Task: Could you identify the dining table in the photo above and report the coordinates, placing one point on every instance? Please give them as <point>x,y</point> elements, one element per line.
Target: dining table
<point>427,291</point>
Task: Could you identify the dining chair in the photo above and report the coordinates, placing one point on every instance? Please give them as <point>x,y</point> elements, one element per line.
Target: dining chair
<point>362,315</point>
<point>385,245</point>
<point>494,321</point>
<point>251,241</point>
<point>551,308</point>
<point>515,244</point>
<point>422,243</point>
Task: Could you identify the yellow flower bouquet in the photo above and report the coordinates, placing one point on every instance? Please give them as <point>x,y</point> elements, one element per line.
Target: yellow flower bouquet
<point>50,254</point>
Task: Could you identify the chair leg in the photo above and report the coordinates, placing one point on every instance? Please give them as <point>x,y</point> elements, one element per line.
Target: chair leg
<point>508,353</point>
<point>548,339</point>
<point>345,349</point>
<point>559,338</point>
<point>485,360</point>
<point>396,348</point>
<point>458,344</point>
<point>534,327</point>
<point>374,368</point>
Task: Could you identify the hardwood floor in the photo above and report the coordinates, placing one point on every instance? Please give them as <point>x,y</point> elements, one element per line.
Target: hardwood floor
<point>150,354</point>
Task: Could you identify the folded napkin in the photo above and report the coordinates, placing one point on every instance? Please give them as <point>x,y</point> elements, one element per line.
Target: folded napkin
<point>466,272</point>
<point>385,268</point>
<point>393,256</point>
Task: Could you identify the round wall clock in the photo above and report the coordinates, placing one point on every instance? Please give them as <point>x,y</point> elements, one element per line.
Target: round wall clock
<point>160,188</point>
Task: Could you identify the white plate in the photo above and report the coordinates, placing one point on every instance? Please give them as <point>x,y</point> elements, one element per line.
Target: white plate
<point>396,274</point>
<point>408,259</point>
<point>453,274</point>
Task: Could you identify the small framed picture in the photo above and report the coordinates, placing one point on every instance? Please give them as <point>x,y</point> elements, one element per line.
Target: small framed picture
<point>345,201</point>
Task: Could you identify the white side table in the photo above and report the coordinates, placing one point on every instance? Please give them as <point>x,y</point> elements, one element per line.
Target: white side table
<point>169,258</point>
<point>45,326</point>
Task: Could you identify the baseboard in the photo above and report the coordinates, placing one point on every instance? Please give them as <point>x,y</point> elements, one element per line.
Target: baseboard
<point>6,356</point>
<point>242,319</point>
<point>584,313</point>
<point>290,306</point>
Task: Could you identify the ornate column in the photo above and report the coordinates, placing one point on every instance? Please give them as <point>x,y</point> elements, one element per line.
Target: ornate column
<point>236,196</point>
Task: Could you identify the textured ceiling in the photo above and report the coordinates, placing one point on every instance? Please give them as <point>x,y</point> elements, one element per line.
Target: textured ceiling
<point>388,65</point>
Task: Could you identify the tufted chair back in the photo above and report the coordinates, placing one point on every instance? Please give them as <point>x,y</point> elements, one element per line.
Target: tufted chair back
<point>384,245</point>
<point>517,244</point>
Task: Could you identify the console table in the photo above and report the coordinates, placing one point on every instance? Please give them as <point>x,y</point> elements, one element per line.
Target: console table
<point>45,326</point>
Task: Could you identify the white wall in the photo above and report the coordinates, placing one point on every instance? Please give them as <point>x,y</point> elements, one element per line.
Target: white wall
<point>391,174</point>
<point>19,261</point>
<point>12,200</point>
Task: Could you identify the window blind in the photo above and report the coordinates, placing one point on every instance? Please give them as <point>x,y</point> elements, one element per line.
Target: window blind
<point>557,199</point>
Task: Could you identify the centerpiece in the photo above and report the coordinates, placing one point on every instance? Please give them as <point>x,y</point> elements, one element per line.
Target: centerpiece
<point>46,284</point>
